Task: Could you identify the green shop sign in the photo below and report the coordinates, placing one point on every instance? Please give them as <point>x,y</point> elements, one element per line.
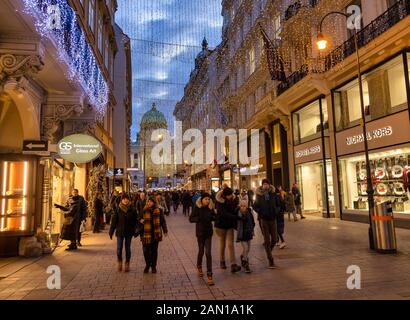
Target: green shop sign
<point>79,148</point>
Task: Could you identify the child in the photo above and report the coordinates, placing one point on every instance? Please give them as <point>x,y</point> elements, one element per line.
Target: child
<point>203,214</point>
<point>246,226</point>
<point>290,205</point>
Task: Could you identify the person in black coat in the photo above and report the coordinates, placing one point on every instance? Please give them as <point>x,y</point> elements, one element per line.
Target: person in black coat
<point>268,205</point>
<point>98,212</point>
<point>298,200</point>
<point>246,226</point>
<point>142,201</point>
<point>203,215</point>
<point>226,223</point>
<point>123,223</point>
<point>74,213</point>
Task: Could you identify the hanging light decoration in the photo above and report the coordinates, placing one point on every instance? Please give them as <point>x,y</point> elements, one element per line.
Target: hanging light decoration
<point>73,48</point>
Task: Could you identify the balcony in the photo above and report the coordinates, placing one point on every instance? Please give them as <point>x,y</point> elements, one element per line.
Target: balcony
<point>381,24</point>
<point>293,9</point>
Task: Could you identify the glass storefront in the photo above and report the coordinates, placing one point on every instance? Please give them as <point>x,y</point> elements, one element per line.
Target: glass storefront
<point>17,197</point>
<point>390,175</point>
<point>307,124</point>
<point>384,92</point>
<point>311,180</point>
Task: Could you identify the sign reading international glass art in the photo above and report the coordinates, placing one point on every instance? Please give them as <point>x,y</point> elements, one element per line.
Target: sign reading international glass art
<point>79,148</point>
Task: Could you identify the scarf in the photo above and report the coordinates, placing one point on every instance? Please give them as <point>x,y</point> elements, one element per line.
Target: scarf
<point>123,207</point>
<point>151,215</point>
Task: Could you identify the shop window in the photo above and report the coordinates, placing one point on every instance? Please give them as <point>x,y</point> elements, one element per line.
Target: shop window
<point>384,92</point>
<point>307,123</point>
<point>16,197</point>
<point>390,175</point>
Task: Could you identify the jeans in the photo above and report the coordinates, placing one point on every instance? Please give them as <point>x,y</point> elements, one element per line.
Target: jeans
<point>205,246</point>
<point>185,209</point>
<point>246,247</point>
<point>120,245</point>
<point>270,235</point>
<point>226,238</point>
<point>151,254</point>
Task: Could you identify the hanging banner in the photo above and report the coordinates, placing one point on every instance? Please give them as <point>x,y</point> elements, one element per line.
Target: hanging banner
<point>79,148</point>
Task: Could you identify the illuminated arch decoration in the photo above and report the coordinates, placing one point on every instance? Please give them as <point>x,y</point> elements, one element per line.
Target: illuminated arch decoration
<point>73,49</point>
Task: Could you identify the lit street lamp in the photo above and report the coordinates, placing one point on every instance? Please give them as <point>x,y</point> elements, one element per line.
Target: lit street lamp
<point>322,45</point>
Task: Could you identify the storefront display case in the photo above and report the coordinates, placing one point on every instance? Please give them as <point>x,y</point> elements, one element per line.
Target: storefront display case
<point>390,176</point>
<point>17,196</point>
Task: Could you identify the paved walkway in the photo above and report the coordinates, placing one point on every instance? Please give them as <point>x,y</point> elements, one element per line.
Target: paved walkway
<point>312,267</point>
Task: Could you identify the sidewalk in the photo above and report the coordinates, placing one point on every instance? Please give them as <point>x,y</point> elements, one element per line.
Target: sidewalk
<point>312,267</point>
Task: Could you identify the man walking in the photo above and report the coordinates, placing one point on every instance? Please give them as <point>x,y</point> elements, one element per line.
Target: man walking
<point>267,206</point>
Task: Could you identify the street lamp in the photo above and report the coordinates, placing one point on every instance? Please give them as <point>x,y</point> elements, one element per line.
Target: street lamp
<point>322,45</point>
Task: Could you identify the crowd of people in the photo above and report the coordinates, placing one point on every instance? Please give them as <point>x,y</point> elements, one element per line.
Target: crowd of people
<point>227,212</point>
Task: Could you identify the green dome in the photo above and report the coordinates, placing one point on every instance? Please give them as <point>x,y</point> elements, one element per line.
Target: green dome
<point>153,119</point>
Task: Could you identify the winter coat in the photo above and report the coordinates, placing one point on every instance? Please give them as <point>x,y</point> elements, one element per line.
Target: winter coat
<point>161,227</point>
<point>123,223</point>
<point>267,208</point>
<point>246,226</point>
<point>72,214</point>
<point>203,217</point>
<point>290,202</point>
<point>140,205</point>
<point>298,196</point>
<point>226,217</point>
<point>186,199</point>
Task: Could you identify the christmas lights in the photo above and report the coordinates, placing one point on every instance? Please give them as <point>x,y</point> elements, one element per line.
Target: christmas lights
<point>57,21</point>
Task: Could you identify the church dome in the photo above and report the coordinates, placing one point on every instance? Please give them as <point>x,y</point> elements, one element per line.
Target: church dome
<point>153,119</point>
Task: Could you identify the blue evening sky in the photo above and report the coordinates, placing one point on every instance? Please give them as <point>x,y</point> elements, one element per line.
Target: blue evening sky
<point>166,36</point>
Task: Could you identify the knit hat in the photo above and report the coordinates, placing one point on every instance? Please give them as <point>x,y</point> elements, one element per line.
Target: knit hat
<point>227,192</point>
<point>265,181</point>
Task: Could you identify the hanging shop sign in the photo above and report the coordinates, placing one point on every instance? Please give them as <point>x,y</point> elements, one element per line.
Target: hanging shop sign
<point>384,132</point>
<point>311,151</point>
<point>79,148</point>
<point>36,147</point>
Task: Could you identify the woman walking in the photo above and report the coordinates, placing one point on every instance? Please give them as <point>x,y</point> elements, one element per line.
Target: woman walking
<point>290,205</point>
<point>246,226</point>
<point>153,219</point>
<point>123,223</point>
<point>203,215</point>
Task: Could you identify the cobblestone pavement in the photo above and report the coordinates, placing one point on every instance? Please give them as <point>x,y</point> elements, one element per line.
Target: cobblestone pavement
<point>312,267</point>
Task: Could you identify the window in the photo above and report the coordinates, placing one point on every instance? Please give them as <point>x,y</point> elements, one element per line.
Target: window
<point>384,91</point>
<point>251,61</point>
<point>388,170</point>
<point>106,54</point>
<point>100,34</point>
<point>91,14</point>
<point>278,27</point>
<point>306,122</point>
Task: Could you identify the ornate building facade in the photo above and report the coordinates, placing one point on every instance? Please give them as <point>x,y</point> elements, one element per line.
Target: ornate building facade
<point>56,79</point>
<point>306,102</point>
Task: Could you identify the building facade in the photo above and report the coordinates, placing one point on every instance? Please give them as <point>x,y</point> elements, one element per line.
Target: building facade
<point>56,79</point>
<point>309,114</point>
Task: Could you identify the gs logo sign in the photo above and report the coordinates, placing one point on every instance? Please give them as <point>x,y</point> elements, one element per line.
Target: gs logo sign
<point>65,147</point>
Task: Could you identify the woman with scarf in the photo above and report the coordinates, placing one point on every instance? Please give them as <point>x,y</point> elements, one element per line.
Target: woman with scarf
<point>153,219</point>
<point>124,222</point>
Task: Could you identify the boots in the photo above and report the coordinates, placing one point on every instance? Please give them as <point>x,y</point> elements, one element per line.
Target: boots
<point>200,272</point>
<point>235,268</point>
<point>127,267</point>
<point>210,280</point>
<point>119,266</point>
<point>247,268</point>
<point>243,262</point>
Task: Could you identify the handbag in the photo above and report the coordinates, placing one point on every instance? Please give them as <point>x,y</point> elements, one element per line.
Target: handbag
<point>82,227</point>
<point>139,230</point>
